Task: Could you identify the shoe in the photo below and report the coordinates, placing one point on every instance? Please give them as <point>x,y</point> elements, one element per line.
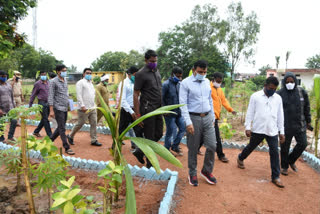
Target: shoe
<point>224,159</point>
<point>209,177</point>
<point>96,143</point>
<point>70,140</point>
<point>70,152</point>
<point>11,140</point>
<point>200,153</point>
<point>149,164</point>
<point>139,155</point>
<point>177,150</point>
<point>284,172</point>
<point>36,134</point>
<point>240,163</point>
<point>278,182</point>
<point>193,180</point>
<point>293,167</point>
<point>123,143</point>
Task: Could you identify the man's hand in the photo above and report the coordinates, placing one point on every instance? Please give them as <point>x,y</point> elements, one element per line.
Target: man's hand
<point>51,112</point>
<point>22,99</point>
<point>1,112</point>
<point>248,133</point>
<point>83,109</point>
<point>137,117</point>
<point>282,138</point>
<point>190,129</point>
<point>134,116</point>
<point>234,113</point>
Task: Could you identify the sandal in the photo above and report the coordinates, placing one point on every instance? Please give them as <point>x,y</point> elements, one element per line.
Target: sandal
<point>70,152</point>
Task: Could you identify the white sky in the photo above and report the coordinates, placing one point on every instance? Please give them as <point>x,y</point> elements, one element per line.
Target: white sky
<point>79,31</point>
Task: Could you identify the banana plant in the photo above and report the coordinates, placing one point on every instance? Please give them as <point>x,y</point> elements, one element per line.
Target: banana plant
<point>149,147</point>
<point>317,119</point>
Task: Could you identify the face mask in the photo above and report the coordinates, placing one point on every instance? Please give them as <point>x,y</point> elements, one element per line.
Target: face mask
<point>290,86</point>
<point>152,65</point>
<point>17,79</point>
<point>217,85</point>
<point>269,92</point>
<point>88,77</point>
<point>200,77</point>
<point>132,78</point>
<point>43,78</point>
<point>105,83</point>
<point>3,79</point>
<point>176,79</point>
<point>63,74</point>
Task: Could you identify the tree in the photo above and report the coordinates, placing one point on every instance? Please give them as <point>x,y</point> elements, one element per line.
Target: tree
<point>287,58</point>
<point>263,70</point>
<point>72,69</point>
<point>47,61</point>
<point>277,61</point>
<point>191,41</point>
<point>11,12</point>
<point>238,35</point>
<point>313,62</point>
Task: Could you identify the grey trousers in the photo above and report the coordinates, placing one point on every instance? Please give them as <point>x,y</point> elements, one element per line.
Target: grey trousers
<point>203,128</point>
<point>82,118</point>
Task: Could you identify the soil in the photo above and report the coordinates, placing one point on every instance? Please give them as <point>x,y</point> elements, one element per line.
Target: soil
<point>238,191</point>
<point>148,194</point>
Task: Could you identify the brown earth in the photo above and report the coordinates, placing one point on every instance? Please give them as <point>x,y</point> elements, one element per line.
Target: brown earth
<point>237,191</point>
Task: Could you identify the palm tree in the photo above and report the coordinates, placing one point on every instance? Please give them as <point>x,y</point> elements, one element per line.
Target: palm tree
<point>287,57</point>
<point>277,61</point>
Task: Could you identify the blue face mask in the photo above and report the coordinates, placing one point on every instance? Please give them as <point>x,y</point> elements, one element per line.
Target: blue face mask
<point>88,76</point>
<point>200,77</point>
<point>43,78</point>
<point>269,92</point>
<point>175,79</point>
<point>3,79</point>
<point>132,78</point>
<point>63,74</point>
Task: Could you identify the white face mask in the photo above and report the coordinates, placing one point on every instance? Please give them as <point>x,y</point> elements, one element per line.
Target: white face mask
<point>290,86</point>
<point>217,85</point>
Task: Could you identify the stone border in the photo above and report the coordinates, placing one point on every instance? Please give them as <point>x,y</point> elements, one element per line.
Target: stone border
<point>149,174</point>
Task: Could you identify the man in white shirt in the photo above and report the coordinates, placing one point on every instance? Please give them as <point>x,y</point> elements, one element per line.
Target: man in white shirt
<point>265,120</point>
<point>127,114</point>
<point>86,97</point>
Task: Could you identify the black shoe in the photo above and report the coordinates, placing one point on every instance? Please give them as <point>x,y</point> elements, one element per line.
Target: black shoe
<point>139,155</point>
<point>284,172</point>
<point>209,177</point>
<point>193,180</point>
<point>148,165</point>
<point>240,163</point>
<point>293,167</point>
<point>96,144</point>
<point>278,183</point>
<point>224,159</point>
<point>70,140</point>
<point>178,151</point>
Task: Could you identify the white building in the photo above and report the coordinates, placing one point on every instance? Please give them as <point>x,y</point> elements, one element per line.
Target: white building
<point>304,76</point>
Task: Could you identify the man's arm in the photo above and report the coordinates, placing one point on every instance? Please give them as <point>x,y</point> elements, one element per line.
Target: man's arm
<point>225,103</point>
<point>124,103</point>
<point>249,116</point>
<point>136,102</point>
<point>307,114</point>
<point>79,88</point>
<point>35,92</point>
<point>50,97</point>
<point>281,121</point>
<point>164,93</point>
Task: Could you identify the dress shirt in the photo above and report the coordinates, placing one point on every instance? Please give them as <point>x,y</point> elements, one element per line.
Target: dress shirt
<point>265,114</point>
<point>196,95</point>
<point>127,95</point>
<point>58,94</point>
<point>85,93</point>
<point>6,97</point>
<point>40,89</point>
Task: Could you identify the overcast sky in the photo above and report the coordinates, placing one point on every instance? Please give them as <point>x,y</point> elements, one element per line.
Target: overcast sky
<point>79,31</point>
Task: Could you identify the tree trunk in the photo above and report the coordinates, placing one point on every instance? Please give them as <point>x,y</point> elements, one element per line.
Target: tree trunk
<point>25,165</point>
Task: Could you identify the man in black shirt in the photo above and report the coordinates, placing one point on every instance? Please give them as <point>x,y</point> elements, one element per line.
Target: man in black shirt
<point>148,86</point>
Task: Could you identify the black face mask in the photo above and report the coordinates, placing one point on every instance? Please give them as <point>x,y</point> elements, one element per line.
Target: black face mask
<point>17,79</point>
<point>269,92</point>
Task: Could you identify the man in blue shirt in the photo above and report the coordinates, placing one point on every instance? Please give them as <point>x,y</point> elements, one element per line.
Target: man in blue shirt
<point>195,93</point>
<point>170,96</point>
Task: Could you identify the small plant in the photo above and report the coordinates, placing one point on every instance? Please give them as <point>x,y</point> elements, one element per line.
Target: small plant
<point>226,130</point>
<point>317,119</point>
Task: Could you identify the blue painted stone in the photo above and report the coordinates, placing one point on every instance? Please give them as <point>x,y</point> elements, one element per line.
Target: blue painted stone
<point>83,164</point>
<point>157,176</point>
<point>135,169</point>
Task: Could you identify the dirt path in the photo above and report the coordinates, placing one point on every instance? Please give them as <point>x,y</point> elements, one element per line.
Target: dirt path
<point>237,191</point>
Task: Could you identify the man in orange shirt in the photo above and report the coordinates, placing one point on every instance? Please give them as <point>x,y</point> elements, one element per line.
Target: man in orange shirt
<point>219,100</point>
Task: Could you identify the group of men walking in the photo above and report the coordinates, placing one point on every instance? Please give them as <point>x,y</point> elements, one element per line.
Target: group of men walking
<point>285,114</point>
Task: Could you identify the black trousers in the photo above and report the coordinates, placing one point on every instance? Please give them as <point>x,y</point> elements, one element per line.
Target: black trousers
<point>286,158</point>
<point>218,138</point>
<point>12,129</point>
<point>255,140</point>
<point>125,121</point>
<point>44,120</point>
<point>61,118</point>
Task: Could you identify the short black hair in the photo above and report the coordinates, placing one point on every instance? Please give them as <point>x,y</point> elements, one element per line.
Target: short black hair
<point>217,75</point>
<point>177,70</point>
<point>2,72</point>
<point>272,80</point>
<point>132,70</point>
<point>42,72</point>
<point>149,54</point>
<point>52,75</point>
<point>86,69</point>
<point>200,64</point>
<point>60,67</point>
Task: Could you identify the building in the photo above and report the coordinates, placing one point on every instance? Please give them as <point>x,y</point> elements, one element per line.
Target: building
<point>74,77</point>
<point>304,76</point>
<point>115,76</point>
